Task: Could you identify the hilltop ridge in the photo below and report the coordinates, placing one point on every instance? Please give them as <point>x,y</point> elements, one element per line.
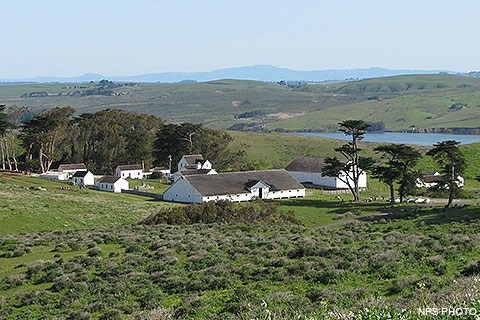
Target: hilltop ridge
<point>256,72</point>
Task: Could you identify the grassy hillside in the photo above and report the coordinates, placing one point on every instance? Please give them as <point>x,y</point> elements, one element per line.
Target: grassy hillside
<point>400,102</point>
<point>25,209</point>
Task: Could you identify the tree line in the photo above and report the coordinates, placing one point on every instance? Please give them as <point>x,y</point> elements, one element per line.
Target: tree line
<point>105,139</point>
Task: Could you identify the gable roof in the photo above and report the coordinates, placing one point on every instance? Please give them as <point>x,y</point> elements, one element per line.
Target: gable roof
<point>306,165</point>
<point>80,174</point>
<point>127,167</point>
<point>193,159</point>
<point>238,182</point>
<point>109,179</point>
<point>252,183</point>
<point>72,166</point>
<point>189,172</point>
<point>430,178</point>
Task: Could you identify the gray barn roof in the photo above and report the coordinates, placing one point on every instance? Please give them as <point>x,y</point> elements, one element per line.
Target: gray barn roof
<point>109,179</point>
<point>306,165</point>
<point>72,166</point>
<point>237,182</point>
<point>430,178</point>
<point>80,174</point>
<point>127,167</point>
<point>193,159</point>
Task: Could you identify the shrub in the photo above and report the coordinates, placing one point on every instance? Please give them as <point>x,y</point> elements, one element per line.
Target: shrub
<point>258,212</point>
<point>473,268</point>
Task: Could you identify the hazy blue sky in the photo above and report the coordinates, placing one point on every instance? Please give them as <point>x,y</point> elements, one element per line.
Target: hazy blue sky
<point>64,38</point>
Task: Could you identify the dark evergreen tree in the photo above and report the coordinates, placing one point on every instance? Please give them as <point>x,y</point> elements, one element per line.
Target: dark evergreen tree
<point>349,171</point>
<point>399,162</point>
<point>451,159</point>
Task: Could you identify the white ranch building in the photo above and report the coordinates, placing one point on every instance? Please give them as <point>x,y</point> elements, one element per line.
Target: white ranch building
<point>71,168</point>
<point>55,175</point>
<point>309,170</point>
<point>130,171</point>
<point>193,164</point>
<point>234,186</point>
<point>83,178</point>
<point>112,184</point>
<point>431,180</point>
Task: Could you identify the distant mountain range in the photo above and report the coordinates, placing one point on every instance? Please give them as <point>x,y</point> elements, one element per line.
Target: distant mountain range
<point>258,72</point>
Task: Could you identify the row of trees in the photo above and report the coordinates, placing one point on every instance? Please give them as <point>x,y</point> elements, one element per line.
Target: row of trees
<point>397,166</point>
<point>104,139</point>
<point>9,118</point>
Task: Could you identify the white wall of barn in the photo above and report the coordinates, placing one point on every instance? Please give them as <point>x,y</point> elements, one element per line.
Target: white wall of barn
<point>182,191</point>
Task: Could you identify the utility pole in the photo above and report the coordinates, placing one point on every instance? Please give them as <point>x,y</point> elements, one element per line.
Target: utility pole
<point>170,163</point>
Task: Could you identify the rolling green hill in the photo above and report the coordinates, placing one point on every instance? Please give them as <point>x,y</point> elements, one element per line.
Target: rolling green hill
<point>401,102</point>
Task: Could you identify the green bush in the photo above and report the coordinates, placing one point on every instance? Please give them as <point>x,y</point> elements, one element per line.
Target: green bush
<point>258,212</point>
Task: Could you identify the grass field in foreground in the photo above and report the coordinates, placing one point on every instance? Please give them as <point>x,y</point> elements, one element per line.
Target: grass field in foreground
<point>23,209</point>
<point>222,271</point>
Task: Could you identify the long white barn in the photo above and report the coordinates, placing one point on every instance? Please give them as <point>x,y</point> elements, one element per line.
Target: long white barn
<point>235,186</point>
<point>309,170</point>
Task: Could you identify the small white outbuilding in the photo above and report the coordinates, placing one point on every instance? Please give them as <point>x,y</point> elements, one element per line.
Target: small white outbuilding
<point>55,175</point>
<point>83,178</point>
<point>129,171</point>
<point>112,184</point>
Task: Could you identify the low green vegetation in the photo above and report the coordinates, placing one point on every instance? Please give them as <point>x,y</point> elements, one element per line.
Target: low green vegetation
<point>392,265</point>
<point>257,212</point>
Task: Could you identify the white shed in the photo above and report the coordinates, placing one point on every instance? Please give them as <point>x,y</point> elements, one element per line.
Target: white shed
<point>55,175</point>
<point>112,184</point>
<point>309,170</point>
<point>129,171</point>
<point>83,178</point>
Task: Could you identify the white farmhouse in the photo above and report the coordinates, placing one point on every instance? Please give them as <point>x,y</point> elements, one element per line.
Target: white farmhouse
<point>83,178</point>
<point>309,170</point>
<point>193,164</point>
<point>431,180</point>
<point>234,186</point>
<point>71,168</point>
<point>131,171</point>
<point>112,184</point>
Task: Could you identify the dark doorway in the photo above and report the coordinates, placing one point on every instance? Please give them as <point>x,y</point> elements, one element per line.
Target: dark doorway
<point>260,193</point>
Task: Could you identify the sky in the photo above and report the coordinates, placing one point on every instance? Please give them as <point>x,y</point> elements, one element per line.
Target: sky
<point>113,38</point>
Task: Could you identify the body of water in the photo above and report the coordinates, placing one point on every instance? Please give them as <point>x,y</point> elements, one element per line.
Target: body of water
<point>424,139</point>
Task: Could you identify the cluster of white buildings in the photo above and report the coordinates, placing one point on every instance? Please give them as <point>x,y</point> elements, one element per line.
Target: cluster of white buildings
<point>196,180</point>
<point>82,177</point>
